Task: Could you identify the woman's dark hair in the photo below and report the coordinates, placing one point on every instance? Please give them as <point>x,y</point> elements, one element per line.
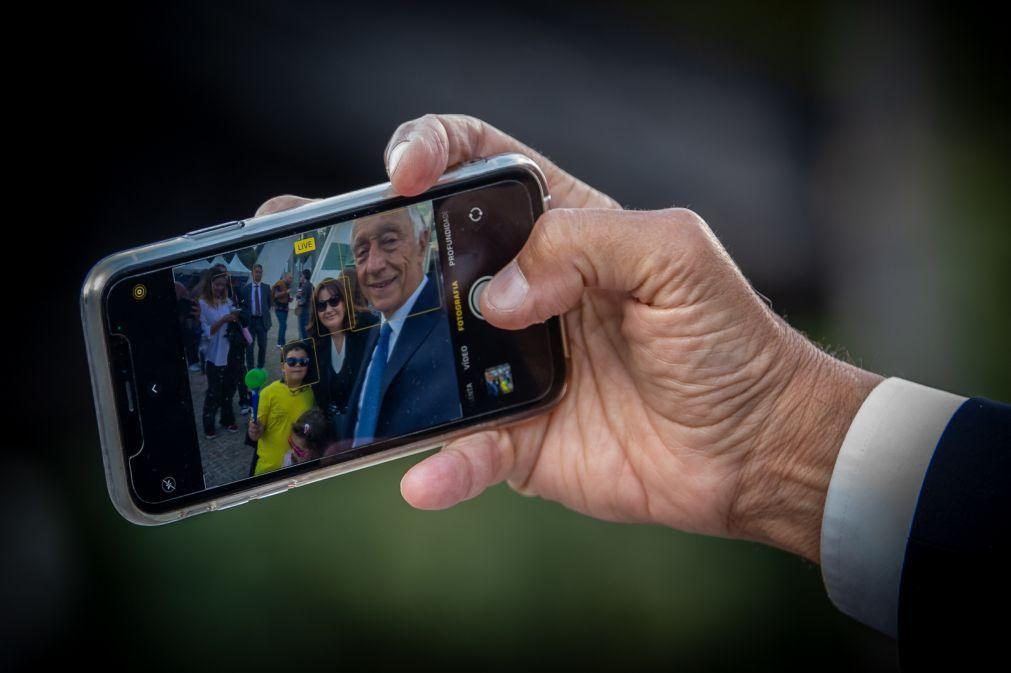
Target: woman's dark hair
<point>346,287</point>
<point>313,428</point>
<point>335,287</point>
<point>306,273</point>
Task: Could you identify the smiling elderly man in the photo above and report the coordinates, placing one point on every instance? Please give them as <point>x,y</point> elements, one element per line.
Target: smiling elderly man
<point>408,380</point>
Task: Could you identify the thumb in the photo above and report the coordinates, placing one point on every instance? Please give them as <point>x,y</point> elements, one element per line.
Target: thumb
<point>461,471</point>
<point>639,253</point>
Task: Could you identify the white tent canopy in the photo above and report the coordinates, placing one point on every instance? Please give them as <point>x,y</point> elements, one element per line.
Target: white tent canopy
<point>328,262</point>
<point>235,267</point>
<point>196,266</point>
<point>274,258</point>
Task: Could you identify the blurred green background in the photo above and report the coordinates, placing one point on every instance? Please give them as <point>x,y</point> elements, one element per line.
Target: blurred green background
<point>854,160</point>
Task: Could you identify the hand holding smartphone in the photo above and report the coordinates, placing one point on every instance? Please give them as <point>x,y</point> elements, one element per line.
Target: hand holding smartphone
<point>675,366</point>
<point>397,356</point>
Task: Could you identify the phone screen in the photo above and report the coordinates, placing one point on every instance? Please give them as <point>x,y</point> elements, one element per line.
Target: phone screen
<point>324,344</point>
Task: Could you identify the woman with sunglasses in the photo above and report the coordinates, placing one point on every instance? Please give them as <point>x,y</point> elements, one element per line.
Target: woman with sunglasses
<point>340,335</point>
<point>281,404</point>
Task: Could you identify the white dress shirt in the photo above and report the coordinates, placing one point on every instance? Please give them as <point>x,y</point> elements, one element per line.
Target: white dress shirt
<point>396,323</point>
<point>873,494</point>
<point>255,299</point>
<point>400,316</point>
<point>337,356</point>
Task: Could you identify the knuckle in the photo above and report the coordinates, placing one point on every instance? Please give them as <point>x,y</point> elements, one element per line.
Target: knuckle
<point>462,121</point>
<point>689,227</point>
<point>429,121</point>
<point>553,230</point>
<point>469,135</point>
<point>687,218</point>
<point>434,132</point>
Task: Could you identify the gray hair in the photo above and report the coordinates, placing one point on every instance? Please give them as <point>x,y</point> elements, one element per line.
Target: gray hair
<point>417,221</point>
<point>418,224</point>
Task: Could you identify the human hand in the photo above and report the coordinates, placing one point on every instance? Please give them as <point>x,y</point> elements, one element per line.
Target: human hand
<point>255,430</point>
<point>691,404</point>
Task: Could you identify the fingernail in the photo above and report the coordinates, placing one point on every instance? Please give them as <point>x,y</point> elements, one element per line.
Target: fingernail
<point>508,289</point>
<point>395,154</point>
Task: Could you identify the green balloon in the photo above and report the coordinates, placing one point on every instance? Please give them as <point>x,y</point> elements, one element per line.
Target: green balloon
<point>255,378</point>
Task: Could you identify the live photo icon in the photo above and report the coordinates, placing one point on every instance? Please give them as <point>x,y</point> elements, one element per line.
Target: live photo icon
<point>305,245</point>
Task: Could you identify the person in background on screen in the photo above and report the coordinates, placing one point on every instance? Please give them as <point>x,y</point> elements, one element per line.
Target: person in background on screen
<point>281,404</point>
<point>340,330</point>
<point>281,293</point>
<point>308,438</point>
<point>303,297</point>
<point>217,315</point>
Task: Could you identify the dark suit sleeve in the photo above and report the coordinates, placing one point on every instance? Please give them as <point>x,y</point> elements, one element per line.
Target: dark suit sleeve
<point>266,305</point>
<point>243,301</point>
<point>954,597</point>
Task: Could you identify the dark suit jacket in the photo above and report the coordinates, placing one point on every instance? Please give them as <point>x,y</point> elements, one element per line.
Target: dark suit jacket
<point>954,594</point>
<point>246,302</point>
<point>419,387</point>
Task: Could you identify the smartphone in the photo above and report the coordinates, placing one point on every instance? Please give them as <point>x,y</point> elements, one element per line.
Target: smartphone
<point>241,360</point>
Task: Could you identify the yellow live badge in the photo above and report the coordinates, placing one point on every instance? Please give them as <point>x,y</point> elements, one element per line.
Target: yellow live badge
<point>305,245</point>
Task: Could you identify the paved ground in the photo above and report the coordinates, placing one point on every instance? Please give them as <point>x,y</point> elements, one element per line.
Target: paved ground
<point>227,458</point>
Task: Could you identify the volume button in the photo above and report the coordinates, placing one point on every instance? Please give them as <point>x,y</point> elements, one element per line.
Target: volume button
<point>216,229</point>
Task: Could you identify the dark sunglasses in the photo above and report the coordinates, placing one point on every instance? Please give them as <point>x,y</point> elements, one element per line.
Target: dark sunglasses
<point>297,362</point>
<point>333,302</point>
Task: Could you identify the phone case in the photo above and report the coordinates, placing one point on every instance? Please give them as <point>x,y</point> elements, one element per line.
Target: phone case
<point>165,253</point>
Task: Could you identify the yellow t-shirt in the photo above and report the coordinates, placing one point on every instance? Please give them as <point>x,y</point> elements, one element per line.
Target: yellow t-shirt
<point>279,408</point>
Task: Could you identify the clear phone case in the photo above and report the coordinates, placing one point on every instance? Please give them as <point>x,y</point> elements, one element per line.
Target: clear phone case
<point>165,253</point>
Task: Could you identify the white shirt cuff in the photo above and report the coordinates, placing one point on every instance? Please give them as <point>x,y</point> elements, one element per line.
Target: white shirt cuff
<point>873,494</point>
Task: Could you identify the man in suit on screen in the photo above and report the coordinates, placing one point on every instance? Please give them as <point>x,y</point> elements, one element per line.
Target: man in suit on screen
<point>254,298</point>
<point>408,381</point>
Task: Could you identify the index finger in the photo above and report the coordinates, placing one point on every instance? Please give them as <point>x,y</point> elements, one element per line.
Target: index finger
<point>422,149</point>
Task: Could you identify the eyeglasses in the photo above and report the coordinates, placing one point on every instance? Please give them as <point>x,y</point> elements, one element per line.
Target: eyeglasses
<point>297,362</point>
<point>332,302</point>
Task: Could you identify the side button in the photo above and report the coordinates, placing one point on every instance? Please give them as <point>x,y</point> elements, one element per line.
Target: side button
<point>284,488</point>
<point>216,229</point>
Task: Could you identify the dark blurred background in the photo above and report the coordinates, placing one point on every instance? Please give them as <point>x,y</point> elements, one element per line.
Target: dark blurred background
<point>855,161</point>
